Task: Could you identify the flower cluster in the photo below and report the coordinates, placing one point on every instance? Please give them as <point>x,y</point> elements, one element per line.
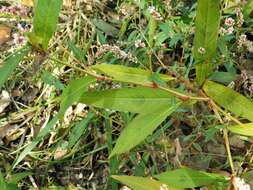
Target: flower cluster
<point>243,41</point>
<point>139,44</point>
<point>157,16</point>
<point>202,50</point>
<point>117,52</point>
<point>18,10</point>
<point>229,24</point>
<point>240,184</point>
<point>240,18</point>
<point>247,81</point>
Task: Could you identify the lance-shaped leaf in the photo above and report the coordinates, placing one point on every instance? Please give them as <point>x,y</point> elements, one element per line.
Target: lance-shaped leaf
<point>140,183</point>
<point>136,100</point>
<point>248,9</point>
<point>11,62</point>
<point>46,130</point>
<point>229,99</point>
<point>188,178</point>
<point>44,22</point>
<point>205,40</point>
<point>129,74</point>
<point>73,92</point>
<point>244,129</point>
<point>140,127</point>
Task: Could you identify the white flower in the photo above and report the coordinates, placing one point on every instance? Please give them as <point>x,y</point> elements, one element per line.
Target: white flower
<point>230,30</point>
<point>240,184</point>
<point>229,21</point>
<point>139,44</point>
<point>202,50</point>
<point>125,188</point>
<point>164,187</point>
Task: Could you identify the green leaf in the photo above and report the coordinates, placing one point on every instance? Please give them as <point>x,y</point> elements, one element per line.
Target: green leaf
<point>188,178</point>
<point>139,183</point>
<point>244,129</point>
<point>152,25</point>
<point>73,92</point>
<point>77,131</point>
<point>44,22</point>
<point>248,9</point>
<point>15,178</point>
<point>11,62</point>
<point>107,28</point>
<point>140,127</point>
<point>206,35</point>
<point>136,100</point>
<point>223,77</point>
<point>2,182</point>
<point>46,130</point>
<point>52,80</point>
<point>229,99</point>
<point>76,51</point>
<point>128,74</point>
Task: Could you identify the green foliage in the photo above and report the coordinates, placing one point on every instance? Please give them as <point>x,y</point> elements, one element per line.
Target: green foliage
<point>139,183</point>
<point>136,100</point>
<point>229,99</point>
<point>206,35</point>
<point>73,92</point>
<point>44,22</point>
<point>248,9</point>
<point>79,128</point>
<point>189,178</point>
<point>129,74</point>
<point>141,126</point>
<point>243,129</point>
<point>11,62</point>
<point>46,130</point>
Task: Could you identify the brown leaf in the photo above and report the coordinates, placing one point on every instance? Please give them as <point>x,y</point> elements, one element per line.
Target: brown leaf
<point>5,34</point>
<point>28,3</point>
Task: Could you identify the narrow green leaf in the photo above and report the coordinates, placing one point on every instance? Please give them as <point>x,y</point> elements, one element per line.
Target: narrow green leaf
<point>77,131</point>
<point>136,100</point>
<point>76,51</point>
<point>139,183</point>
<point>188,178</point>
<point>35,141</point>
<point>223,77</point>
<point>244,129</point>
<point>73,92</point>
<point>140,127</point>
<point>11,62</point>
<point>248,9</point>
<point>152,25</point>
<point>2,182</point>
<point>128,74</point>
<point>229,99</point>
<point>206,35</point>
<point>44,22</point>
<point>105,27</point>
<point>15,178</point>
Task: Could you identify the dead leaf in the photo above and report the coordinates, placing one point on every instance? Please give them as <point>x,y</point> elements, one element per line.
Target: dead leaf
<point>67,3</point>
<point>5,34</point>
<point>60,153</point>
<point>28,3</point>
<point>4,100</point>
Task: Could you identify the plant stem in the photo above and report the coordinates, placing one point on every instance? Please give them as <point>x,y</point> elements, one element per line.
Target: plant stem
<point>113,162</point>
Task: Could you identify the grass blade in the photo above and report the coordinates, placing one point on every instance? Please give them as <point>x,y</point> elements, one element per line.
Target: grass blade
<point>11,63</point>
